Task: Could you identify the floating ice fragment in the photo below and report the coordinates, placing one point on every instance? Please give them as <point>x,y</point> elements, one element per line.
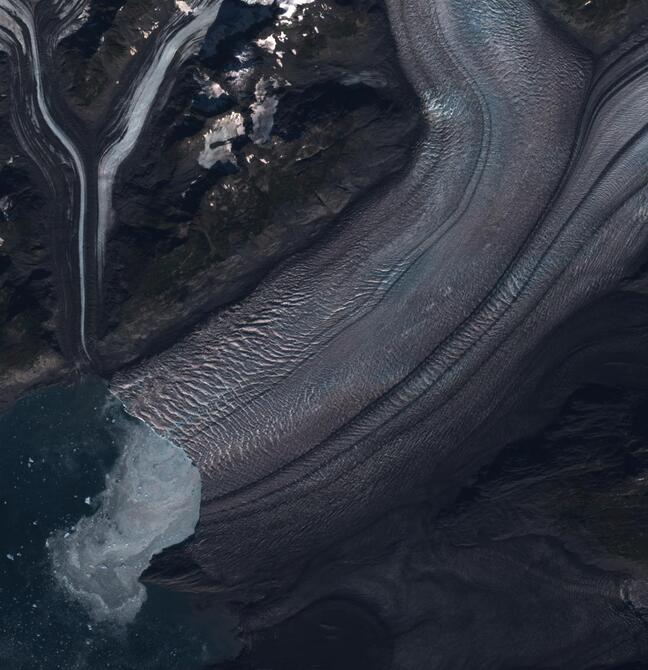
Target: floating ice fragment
<point>151,502</point>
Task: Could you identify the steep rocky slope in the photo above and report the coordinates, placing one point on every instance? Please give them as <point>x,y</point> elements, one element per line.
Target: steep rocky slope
<point>29,310</point>
<point>283,116</point>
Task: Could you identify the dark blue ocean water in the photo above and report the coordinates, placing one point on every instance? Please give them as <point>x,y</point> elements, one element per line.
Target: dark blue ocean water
<point>55,449</point>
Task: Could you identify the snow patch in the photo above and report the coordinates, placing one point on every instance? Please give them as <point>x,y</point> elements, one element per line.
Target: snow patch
<point>289,7</point>
<point>237,78</point>
<point>218,140</point>
<point>269,43</point>
<point>184,7</point>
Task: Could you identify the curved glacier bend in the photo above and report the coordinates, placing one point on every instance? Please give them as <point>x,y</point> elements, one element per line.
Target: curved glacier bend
<point>151,502</point>
<point>375,357</point>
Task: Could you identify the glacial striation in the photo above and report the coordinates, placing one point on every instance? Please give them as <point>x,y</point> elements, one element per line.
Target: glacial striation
<point>384,365</point>
<point>340,253</point>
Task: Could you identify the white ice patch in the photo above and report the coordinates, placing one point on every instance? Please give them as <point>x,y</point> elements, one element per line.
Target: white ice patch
<point>218,140</point>
<point>214,90</point>
<point>184,7</point>
<point>269,43</point>
<point>238,79</point>
<point>289,7</point>
<point>5,206</point>
<point>151,502</point>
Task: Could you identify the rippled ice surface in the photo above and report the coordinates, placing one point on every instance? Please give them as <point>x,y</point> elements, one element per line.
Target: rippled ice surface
<point>77,471</point>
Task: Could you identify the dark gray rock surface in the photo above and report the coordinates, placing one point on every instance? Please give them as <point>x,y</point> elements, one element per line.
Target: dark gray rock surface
<point>325,115</point>
<point>29,309</point>
<point>598,24</point>
<point>341,119</point>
